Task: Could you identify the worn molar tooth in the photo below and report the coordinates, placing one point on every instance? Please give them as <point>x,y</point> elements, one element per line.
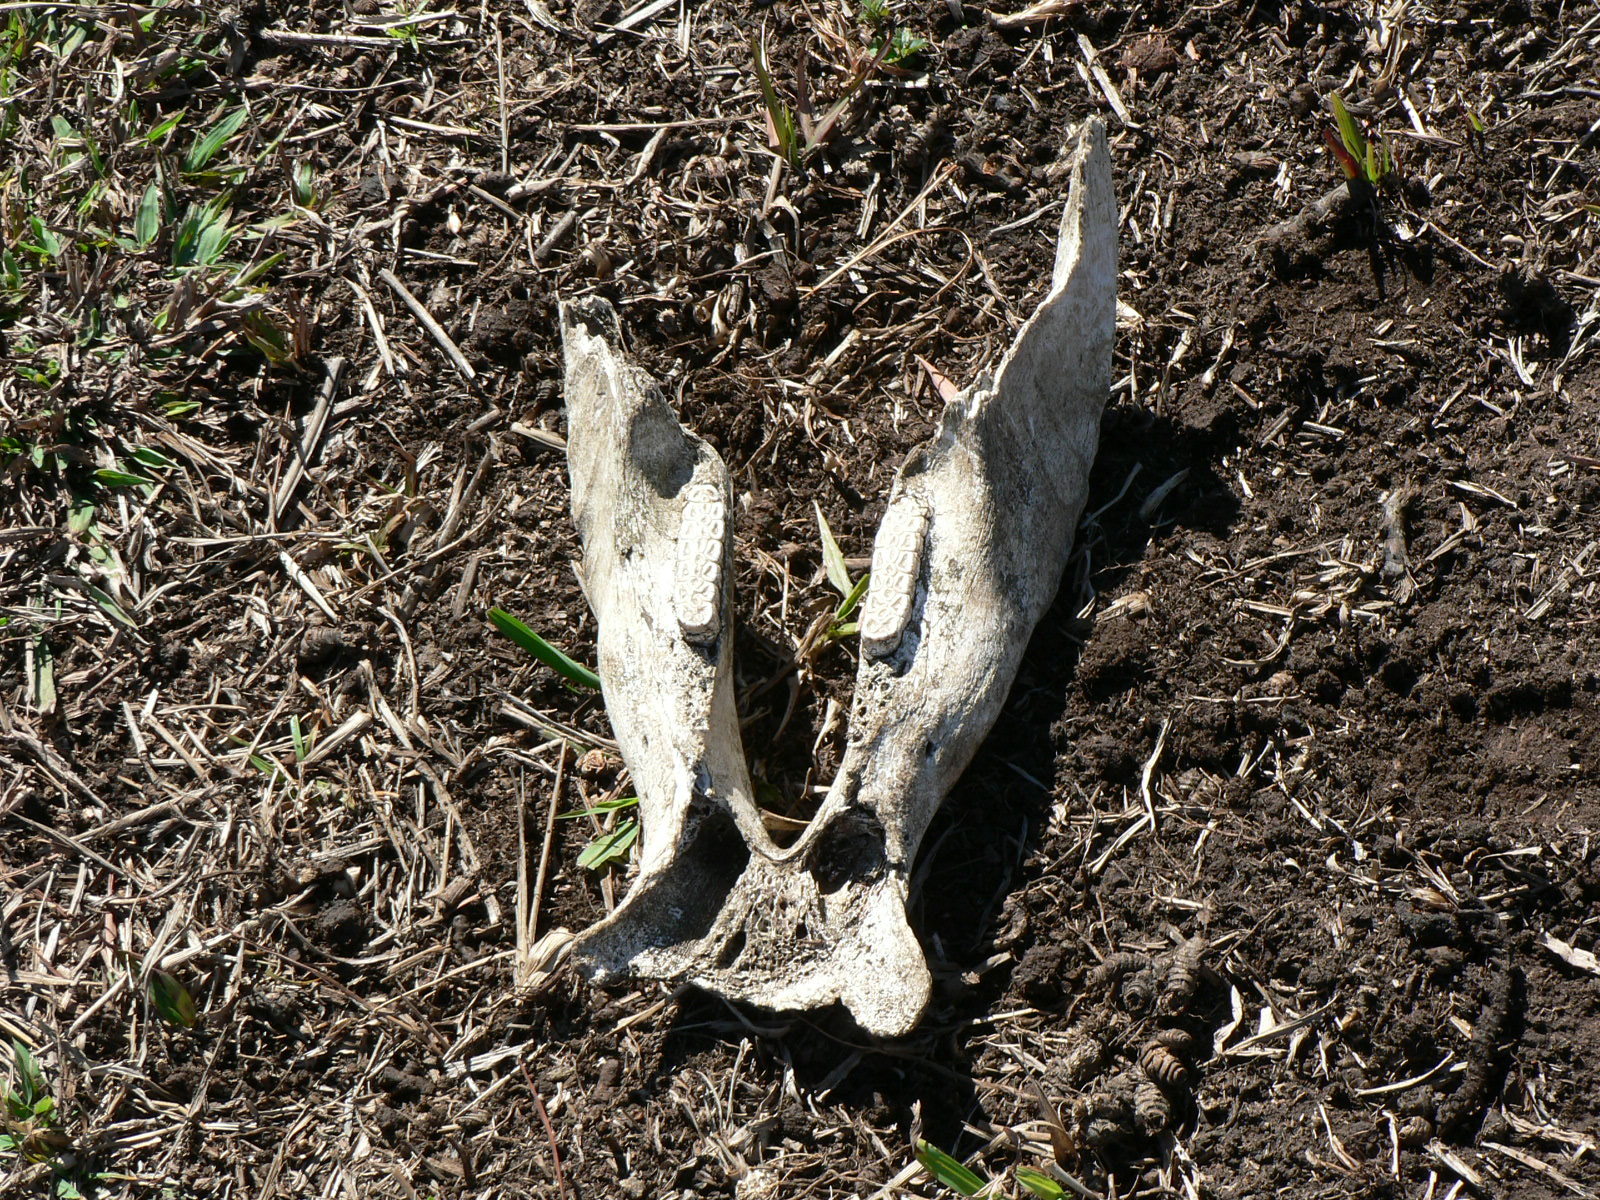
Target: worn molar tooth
<point>896,569</point>
<point>702,552</point>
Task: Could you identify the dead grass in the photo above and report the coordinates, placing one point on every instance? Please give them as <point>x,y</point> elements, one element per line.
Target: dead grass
<point>277,429</point>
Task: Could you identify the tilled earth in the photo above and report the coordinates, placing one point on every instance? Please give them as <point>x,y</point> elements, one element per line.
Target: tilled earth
<point>1278,875</point>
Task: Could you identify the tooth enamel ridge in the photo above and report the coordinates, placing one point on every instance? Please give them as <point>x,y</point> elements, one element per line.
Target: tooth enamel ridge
<point>701,551</point>
<point>968,557</point>
<point>896,567</point>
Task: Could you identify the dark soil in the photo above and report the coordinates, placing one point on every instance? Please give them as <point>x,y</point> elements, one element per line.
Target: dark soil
<point>1332,620</point>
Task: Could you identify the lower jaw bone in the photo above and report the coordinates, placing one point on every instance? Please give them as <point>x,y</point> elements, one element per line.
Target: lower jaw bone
<point>970,553</point>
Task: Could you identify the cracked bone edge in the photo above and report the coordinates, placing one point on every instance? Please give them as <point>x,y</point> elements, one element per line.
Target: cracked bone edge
<point>976,535</point>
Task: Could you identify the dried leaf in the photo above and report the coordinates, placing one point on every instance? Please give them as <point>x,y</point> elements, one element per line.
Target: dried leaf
<point>1584,960</point>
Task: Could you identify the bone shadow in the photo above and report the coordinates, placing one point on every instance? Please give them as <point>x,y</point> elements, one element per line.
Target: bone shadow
<point>973,856</point>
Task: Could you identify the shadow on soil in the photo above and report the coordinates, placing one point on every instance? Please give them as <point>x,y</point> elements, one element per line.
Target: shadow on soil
<point>972,858</point>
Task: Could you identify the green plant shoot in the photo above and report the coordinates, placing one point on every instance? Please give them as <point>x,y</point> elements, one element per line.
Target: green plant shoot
<point>611,847</point>
<point>948,1170</point>
<point>542,650</point>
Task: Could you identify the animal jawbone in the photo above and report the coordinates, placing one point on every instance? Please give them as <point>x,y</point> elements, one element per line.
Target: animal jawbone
<point>975,536</point>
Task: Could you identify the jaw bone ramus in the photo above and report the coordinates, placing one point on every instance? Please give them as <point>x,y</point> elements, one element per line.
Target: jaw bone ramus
<point>974,539</point>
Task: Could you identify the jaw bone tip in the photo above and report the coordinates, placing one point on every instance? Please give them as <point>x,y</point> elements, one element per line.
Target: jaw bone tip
<point>592,315</point>
<point>894,1010</point>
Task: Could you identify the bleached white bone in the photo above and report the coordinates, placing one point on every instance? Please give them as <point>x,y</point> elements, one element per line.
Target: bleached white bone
<point>970,553</point>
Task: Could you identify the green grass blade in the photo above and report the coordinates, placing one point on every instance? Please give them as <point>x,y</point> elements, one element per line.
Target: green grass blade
<point>147,457</point>
<point>601,809</point>
<point>261,763</point>
<point>44,675</point>
<point>45,239</point>
<point>779,113</point>
<point>114,610</point>
<point>206,148</point>
<point>113,478</point>
<point>147,223</point>
<point>172,1000</point>
<point>29,1084</point>
<point>1348,133</point>
<point>1040,1184</point>
<point>853,600</point>
<point>161,130</point>
<point>256,270</point>
<point>610,847</point>
<point>303,181</point>
<point>833,557</point>
<point>947,1170</point>
<point>213,240</point>
<point>543,650</point>
<point>184,237</point>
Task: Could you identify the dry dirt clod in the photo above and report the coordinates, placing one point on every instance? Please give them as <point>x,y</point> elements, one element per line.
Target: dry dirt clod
<point>1149,56</point>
